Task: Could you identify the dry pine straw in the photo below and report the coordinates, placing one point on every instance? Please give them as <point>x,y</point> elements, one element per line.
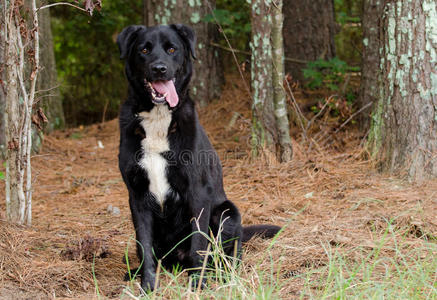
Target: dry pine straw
<point>331,197</point>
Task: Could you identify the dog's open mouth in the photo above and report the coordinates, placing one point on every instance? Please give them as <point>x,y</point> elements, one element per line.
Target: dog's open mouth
<point>162,91</point>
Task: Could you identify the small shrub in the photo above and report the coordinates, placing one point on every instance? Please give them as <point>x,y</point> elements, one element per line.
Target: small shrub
<point>328,74</point>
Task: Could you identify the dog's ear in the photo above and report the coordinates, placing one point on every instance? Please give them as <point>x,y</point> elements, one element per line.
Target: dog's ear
<point>126,38</point>
<point>188,36</point>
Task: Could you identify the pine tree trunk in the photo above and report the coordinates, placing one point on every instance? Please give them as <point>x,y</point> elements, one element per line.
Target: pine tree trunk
<point>208,77</point>
<point>15,199</point>
<point>403,134</point>
<point>47,85</point>
<point>263,119</point>
<point>282,124</point>
<point>15,165</point>
<point>22,65</point>
<point>369,93</point>
<point>309,29</point>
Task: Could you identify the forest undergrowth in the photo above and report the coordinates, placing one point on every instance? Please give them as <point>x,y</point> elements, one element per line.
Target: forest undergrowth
<point>349,231</point>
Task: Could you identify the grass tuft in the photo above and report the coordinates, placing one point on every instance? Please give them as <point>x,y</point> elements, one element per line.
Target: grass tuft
<point>403,272</point>
<point>393,269</point>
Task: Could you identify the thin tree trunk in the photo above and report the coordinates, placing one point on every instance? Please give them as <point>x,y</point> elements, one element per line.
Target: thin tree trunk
<point>403,134</point>
<point>49,98</point>
<point>369,92</point>
<point>20,95</point>
<point>208,77</point>
<point>309,29</point>
<point>2,120</point>
<point>263,120</point>
<point>286,149</point>
<point>15,199</point>
<point>2,86</point>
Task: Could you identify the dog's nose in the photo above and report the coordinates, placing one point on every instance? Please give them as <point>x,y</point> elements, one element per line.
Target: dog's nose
<point>159,69</point>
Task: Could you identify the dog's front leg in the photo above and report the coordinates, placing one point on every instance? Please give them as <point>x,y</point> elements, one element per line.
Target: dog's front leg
<point>143,221</point>
<point>201,212</point>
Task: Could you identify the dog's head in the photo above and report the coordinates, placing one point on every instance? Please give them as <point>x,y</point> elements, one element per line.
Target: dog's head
<point>158,60</point>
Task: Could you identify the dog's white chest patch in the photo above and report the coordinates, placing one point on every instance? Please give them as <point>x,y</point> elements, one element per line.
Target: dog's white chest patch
<point>155,124</point>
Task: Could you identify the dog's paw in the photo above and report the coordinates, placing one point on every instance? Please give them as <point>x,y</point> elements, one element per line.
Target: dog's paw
<point>148,284</point>
<point>148,281</point>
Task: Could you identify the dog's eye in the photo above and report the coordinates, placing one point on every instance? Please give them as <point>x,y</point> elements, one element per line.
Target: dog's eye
<point>171,50</point>
<point>145,51</point>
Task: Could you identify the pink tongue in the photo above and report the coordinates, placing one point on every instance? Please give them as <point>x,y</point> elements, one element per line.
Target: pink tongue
<point>167,87</point>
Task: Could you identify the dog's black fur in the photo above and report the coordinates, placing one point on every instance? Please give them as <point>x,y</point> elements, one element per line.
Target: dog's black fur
<point>196,199</point>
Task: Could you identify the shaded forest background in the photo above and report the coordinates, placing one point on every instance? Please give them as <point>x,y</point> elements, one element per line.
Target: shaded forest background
<point>87,57</point>
<point>349,230</point>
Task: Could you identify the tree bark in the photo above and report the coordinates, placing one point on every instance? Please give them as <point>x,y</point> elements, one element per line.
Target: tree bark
<point>369,93</point>
<point>309,29</point>
<point>263,119</point>
<point>279,100</point>
<point>2,86</point>
<point>15,198</point>
<point>48,87</point>
<point>403,135</point>
<point>208,77</point>
<point>22,66</point>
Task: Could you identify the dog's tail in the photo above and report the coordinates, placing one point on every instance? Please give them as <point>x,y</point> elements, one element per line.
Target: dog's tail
<point>263,231</point>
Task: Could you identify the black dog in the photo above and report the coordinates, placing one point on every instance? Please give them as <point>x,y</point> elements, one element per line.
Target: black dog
<point>171,171</point>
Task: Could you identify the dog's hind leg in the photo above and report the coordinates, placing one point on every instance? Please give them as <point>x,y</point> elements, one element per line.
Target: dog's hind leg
<point>226,221</point>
